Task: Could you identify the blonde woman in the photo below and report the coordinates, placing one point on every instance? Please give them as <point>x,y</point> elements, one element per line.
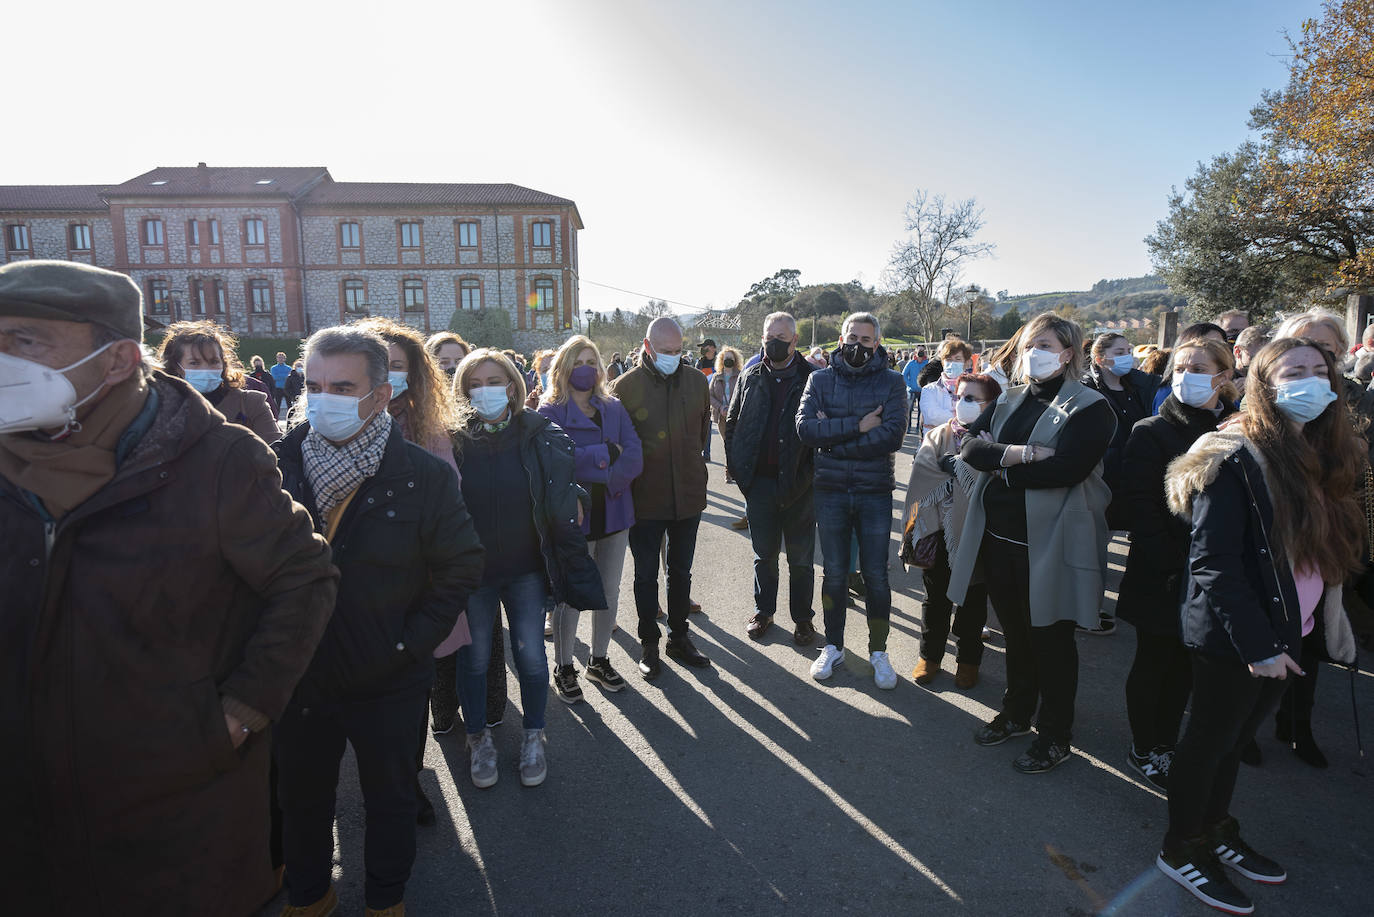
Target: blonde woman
<point>518,480</point>
<point>722,387</point>
<point>607,459</point>
<point>1037,529</point>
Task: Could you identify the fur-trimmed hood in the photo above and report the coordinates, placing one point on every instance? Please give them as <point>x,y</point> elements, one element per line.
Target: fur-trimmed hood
<point>1195,469</point>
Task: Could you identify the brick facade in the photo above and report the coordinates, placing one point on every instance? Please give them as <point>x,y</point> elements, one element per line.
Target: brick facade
<point>519,252</point>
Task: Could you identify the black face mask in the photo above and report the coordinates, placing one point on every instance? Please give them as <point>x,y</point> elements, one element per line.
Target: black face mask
<point>728,363</point>
<point>775,350</point>
<point>856,354</point>
<point>452,371</point>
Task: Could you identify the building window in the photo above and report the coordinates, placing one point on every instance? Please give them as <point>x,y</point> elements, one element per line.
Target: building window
<point>354,295</point>
<point>470,294</point>
<point>413,295</point>
<point>541,234</point>
<point>152,232</point>
<point>254,231</point>
<point>350,235</point>
<point>467,235</point>
<point>214,232</point>
<point>159,296</point>
<point>410,235</point>
<point>79,236</point>
<point>219,294</point>
<point>198,295</point>
<point>543,295</point>
<point>192,232</point>
<point>260,296</point>
<point>17,237</point>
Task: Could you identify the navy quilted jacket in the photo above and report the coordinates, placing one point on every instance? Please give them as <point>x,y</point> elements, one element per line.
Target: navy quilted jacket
<point>835,400</point>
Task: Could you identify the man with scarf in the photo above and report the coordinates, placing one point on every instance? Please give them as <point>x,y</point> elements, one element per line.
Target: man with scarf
<point>853,412</point>
<point>408,556</point>
<point>775,473</point>
<point>162,598</point>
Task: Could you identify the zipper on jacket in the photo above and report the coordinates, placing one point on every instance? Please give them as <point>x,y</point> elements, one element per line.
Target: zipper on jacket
<point>49,538</point>
<point>534,517</point>
<point>1268,549</point>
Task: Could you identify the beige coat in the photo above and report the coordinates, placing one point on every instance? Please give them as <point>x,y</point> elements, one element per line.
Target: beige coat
<point>1067,526</point>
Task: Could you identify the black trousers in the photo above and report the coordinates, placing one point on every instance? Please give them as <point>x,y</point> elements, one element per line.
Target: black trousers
<point>1301,695</point>
<point>309,744</point>
<point>1042,662</point>
<point>937,610</point>
<point>1157,690</point>
<point>646,536</point>
<point>1228,705</point>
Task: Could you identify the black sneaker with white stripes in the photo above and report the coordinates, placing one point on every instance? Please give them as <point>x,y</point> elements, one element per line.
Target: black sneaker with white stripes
<point>1152,767</point>
<point>1199,871</point>
<point>1240,856</point>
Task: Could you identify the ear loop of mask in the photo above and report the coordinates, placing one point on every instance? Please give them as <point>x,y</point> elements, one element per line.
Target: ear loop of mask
<point>73,425</point>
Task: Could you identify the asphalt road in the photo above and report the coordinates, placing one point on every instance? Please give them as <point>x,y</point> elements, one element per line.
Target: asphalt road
<point>749,788</point>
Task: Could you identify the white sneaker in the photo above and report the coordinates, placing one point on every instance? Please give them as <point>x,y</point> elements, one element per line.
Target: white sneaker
<point>548,624</point>
<point>534,765</point>
<point>883,676</point>
<point>483,765</point>
<point>823,667</point>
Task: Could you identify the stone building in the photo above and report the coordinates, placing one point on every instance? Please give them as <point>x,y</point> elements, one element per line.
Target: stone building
<point>281,251</point>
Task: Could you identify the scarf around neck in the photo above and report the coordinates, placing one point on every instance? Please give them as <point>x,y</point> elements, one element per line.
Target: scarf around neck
<point>334,472</point>
<point>66,473</point>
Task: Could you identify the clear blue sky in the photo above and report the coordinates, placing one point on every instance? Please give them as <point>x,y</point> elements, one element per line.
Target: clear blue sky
<point>707,143</point>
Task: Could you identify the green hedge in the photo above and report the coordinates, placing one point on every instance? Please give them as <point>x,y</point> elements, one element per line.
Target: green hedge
<point>266,348</point>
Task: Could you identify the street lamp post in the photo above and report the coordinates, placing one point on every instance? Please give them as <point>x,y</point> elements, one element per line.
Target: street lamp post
<point>972,295</point>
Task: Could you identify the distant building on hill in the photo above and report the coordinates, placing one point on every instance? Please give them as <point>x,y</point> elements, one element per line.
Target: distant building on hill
<point>282,251</point>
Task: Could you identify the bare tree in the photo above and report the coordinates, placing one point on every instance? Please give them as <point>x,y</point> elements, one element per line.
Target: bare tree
<point>941,239</point>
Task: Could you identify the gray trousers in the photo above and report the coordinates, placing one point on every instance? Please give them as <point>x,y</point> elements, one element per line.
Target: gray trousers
<point>609,554</point>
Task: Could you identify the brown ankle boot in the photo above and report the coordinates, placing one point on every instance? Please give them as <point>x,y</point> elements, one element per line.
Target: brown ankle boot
<point>965,676</point>
<point>396,910</point>
<point>925,671</point>
<point>322,908</point>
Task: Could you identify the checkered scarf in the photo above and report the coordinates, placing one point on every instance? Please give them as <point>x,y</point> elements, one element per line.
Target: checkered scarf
<point>334,471</point>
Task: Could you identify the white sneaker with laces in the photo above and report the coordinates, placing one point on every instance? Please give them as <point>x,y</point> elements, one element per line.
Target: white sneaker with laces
<point>883,676</point>
<point>533,762</point>
<point>824,666</point>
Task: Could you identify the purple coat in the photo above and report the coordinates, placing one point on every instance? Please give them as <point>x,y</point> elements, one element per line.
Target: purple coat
<point>593,456</point>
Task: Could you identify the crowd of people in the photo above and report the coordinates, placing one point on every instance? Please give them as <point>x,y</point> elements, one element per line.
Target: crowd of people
<point>214,601</point>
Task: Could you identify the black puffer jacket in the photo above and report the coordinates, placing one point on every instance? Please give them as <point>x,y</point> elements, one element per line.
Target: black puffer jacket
<point>1152,586</point>
<point>835,400</point>
<point>408,556</point>
<point>746,422</point>
<point>1139,388</point>
<point>548,457</point>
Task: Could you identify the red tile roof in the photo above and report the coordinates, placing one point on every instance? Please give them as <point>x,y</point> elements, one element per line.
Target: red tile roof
<point>466,194</point>
<point>221,181</point>
<point>52,197</point>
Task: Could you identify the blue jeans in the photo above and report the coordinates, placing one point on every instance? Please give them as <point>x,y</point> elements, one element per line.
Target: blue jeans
<point>841,515</point>
<point>524,597</point>
<point>770,526</point>
<point>706,450</point>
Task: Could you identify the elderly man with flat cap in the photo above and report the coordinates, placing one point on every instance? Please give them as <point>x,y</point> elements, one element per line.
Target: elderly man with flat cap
<point>163,595</point>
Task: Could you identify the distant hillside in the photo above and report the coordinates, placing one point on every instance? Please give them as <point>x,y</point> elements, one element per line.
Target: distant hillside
<point>1126,301</point>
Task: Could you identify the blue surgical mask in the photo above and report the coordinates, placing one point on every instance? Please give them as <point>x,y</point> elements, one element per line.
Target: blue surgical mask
<point>1303,399</point>
<point>953,370</point>
<point>399,382</point>
<point>490,401</point>
<point>667,363</point>
<point>1193,389</point>
<point>204,381</point>
<point>335,417</point>
<point>1123,364</point>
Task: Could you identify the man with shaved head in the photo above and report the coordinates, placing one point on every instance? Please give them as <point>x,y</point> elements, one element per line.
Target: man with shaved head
<point>670,409</point>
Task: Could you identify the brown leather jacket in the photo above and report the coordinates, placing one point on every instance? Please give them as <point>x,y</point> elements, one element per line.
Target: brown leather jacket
<point>190,577</point>
<point>672,416</point>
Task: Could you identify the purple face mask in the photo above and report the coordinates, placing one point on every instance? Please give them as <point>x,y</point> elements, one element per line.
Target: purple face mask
<point>582,378</point>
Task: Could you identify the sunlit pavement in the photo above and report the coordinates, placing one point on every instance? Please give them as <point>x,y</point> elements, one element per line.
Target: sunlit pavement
<point>749,788</point>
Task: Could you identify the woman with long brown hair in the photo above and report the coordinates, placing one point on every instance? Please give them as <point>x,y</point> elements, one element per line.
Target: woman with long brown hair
<point>204,354</point>
<point>1276,529</point>
<point>420,395</point>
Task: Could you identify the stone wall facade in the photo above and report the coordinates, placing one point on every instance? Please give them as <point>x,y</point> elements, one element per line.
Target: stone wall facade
<point>50,237</point>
